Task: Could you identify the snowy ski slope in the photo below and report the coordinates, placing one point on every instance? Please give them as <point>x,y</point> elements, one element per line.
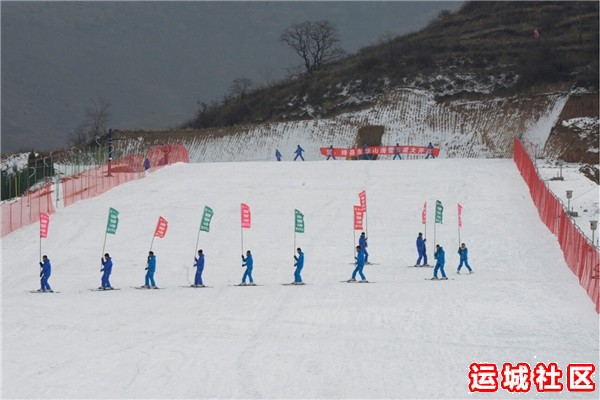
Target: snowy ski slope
<point>400,337</point>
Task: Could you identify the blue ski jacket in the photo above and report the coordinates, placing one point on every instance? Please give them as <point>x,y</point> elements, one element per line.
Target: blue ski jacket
<point>300,260</point>
<point>463,253</point>
<point>152,263</point>
<point>362,242</point>
<point>440,256</point>
<point>360,259</point>
<point>199,261</point>
<point>299,150</point>
<point>421,243</point>
<point>107,265</point>
<point>46,268</point>
<point>248,261</point>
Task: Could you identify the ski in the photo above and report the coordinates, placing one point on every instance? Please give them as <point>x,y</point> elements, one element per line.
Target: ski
<point>239,284</point>
<point>294,284</point>
<point>146,288</point>
<point>104,290</point>
<point>39,291</point>
<point>357,281</point>
<point>369,263</point>
<point>420,266</point>
<point>195,287</point>
<point>439,279</point>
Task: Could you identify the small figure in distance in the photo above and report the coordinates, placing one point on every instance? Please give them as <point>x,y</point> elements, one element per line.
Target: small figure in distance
<point>299,264</point>
<point>463,253</point>
<point>440,256</point>
<point>107,270</point>
<point>45,272</point>
<point>199,265</point>
<point>298,152</point>
<point>248,262</point>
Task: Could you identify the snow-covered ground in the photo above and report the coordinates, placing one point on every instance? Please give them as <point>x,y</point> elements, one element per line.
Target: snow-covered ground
<point>400,337</point>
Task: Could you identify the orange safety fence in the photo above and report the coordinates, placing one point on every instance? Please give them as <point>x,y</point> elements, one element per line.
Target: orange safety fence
<point>26,209</point>
<point>94,182</point>
<point>167,154</point>
<point>580,254</point>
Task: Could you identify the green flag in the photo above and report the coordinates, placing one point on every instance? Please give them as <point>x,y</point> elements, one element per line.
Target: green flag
<point>113,221</point>
<point>206,217</point>
<point>299,217</point>
<point>439,211</point>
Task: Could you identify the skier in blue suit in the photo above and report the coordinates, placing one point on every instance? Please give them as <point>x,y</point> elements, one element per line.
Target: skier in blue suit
<point>440,256</point>
<point>151,268</point>
<point>277,155</point>
<point>45,274</point>
<point>298,152</point>
<point>299,264</point>
<point>248,262</point>
<point>429,151</point>
<point>463,253</point>
<point>421,250</point>
<point>199,264</point>
<point>397,152</point>
<point>360,264</point>
<point>362,242</point>
<point>107,269</point>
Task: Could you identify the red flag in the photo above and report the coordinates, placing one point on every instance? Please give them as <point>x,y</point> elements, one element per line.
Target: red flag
<point>161,227</point>
<point>358,218</point>
<point>246,216</point>
<point>459,215</point>
<point>44,224</point>
<point>424,214</point>
<point>362,196</point>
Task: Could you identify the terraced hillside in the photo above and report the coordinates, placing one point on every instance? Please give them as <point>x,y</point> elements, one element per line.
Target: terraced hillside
<point>478,128</point>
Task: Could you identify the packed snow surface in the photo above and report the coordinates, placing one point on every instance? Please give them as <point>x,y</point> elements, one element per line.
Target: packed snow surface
<point>402,336</point>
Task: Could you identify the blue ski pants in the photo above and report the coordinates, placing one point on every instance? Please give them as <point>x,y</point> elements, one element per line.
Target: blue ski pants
<point>248,274</point>
<point>105,282</point>
<point>297,277</point>
<point>466,265</point>
<point>150,279</point>
<point>198,278</point>
<point>359,270</point>
<point>439,267</point>
<point>422,255</point>
<point>44,283</point>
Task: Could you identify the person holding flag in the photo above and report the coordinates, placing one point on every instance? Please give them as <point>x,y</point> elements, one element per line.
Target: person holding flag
<point>151,268</point>
<point>440,256</point>
<point>421,249</point>
<point>45,274</point>
<point>299,264</point>
<point>248,262</point>
<point>463,253</point>
<point>107,269</point>
<point>199,265</point>
<point>360,264</point>
<point>362,243</point>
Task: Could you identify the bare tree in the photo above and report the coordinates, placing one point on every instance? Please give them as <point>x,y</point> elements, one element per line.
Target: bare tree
<point>317,43</point>
<point>240,87</point>
<point>96,117</point>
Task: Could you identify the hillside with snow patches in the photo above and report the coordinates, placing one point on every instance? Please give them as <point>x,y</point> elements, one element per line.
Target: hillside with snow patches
<point>401,336</point>
<point>461,128</point>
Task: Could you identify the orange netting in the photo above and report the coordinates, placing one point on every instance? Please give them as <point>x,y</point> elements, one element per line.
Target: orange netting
<point>26,209</point>
<point>94,182</point>
<point>580,254</point>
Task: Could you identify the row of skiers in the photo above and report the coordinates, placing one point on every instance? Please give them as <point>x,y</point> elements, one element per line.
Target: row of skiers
<point>361,259</point>
<point>440,257</point>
